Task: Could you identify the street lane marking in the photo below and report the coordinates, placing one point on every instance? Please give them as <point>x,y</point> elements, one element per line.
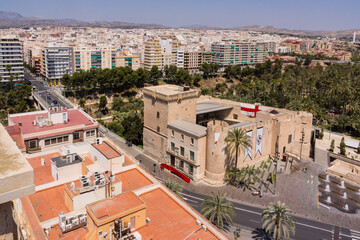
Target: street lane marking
<point>201,199</point>
<point>253,212</point>
<point>322,229</point>
<point>254,221</point>
<point>245,210</point>
<point>187,199</point>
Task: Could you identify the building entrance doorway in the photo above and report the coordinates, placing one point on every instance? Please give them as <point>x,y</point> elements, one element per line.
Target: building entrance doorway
<point>172,160</point>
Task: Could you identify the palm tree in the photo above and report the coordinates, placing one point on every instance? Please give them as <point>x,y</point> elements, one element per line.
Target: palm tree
<point>218,210</point>
<point>250,175</point>
<point>173,186</point>
<point>276,219</point>
<point>231,175</point>
<point>236,141</point>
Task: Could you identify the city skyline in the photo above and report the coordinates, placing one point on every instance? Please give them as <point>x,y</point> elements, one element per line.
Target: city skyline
<point>321,15</point>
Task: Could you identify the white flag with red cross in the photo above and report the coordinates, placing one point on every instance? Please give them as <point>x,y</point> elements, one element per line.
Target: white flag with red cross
<point>216,139</point>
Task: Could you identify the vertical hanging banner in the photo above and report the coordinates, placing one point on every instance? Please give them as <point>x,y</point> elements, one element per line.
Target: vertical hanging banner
<point>259,140</point>
<point>248,150</point>
<point>216,139</point>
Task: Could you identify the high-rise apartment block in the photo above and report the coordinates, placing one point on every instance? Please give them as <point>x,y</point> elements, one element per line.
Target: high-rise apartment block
<point>86,58</point>
<point>235,53</point>
<point>57,61</point>
<point>192,61</point>
<point>126,59</point>
<point>11,59</point>
<point>152,54</point>
<point>162,53</point>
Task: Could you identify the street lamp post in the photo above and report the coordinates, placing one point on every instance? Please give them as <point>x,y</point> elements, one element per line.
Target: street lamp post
<point>154,167</point>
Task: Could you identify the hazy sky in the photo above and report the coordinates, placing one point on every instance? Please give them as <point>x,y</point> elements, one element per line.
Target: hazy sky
<point>291,14</point>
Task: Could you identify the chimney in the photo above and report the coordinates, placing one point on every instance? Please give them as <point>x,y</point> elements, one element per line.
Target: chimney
<point>20,124</point>
<point>42,161</point>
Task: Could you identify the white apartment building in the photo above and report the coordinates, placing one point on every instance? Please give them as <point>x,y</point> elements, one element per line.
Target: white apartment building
<point>56,61</point>
<point>11,59</point>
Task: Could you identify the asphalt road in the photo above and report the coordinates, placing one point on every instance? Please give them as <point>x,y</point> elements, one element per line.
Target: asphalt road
<point>44,91</point>
<point>37,83</point>
<point>250,217</point>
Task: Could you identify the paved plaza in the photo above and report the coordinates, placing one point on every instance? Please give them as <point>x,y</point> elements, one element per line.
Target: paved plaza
<point>298,189</point>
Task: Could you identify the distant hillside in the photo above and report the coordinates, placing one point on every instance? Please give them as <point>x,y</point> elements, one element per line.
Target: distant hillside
<point>12,19</point>
<point>271,29</point>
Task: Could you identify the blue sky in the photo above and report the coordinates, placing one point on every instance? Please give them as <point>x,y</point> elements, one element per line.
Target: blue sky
<point>291,14</point>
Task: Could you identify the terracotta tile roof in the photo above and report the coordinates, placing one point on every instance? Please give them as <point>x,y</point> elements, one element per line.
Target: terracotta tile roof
<point>33,220</point>
<point>49,203</point>
<point>15,134</point>
<point>75,118</point>
<point>88,161</point>
<point>42,174</point>
<point>133,179</point>
<point>107,150</point>
<point>169,220</point>
<point>77,234</point>
<point>110,207</point>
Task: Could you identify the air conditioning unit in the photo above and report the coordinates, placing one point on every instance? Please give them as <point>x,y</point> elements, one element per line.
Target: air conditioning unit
<point>62,226</point>
<point>82,219</point>
<point>99,141</point>
<point>75,222</point>
<point>68,227</point>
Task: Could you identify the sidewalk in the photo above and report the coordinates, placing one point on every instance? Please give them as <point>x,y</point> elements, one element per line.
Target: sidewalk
<point>298,190</point>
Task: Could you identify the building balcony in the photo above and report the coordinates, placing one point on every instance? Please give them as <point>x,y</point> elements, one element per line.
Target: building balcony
<point>186,157</point>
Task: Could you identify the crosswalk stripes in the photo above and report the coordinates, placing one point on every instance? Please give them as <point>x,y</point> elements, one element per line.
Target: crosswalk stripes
<point>355,234</point>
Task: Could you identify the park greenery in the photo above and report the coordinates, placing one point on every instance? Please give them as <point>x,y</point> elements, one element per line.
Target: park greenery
<point>14,99</point>
<point>265,174</point>
<point>329,93</point>
<point>276,220</point>
<point>218,210</point>
<point>317,90</point>
<point>122,79</point>
<point>128,115</point>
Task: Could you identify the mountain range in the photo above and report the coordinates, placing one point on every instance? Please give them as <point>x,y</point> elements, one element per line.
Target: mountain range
<point>13,19</point>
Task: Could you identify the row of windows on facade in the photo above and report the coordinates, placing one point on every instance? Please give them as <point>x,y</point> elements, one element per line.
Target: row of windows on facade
<point>182,151</point>
<point>181,167</point>
<point>62,139</point>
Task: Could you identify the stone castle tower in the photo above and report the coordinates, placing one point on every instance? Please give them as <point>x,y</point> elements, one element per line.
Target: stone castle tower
<point>215,155</point>
<point>162,105</point>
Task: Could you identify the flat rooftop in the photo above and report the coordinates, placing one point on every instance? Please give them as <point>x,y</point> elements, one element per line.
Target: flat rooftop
<point>241,124</point>
<point>50,202</point>
<point>16,174</point>
<point>110,207</point>
<point>202,108</point>
<point>42,172</point>
<point>107,150</point>
<point>168,89</point>
<point>189,127</point>
<point>61,162</point>
<point>75,118</point>
<point>133,179</point>
<point>168,218</point>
